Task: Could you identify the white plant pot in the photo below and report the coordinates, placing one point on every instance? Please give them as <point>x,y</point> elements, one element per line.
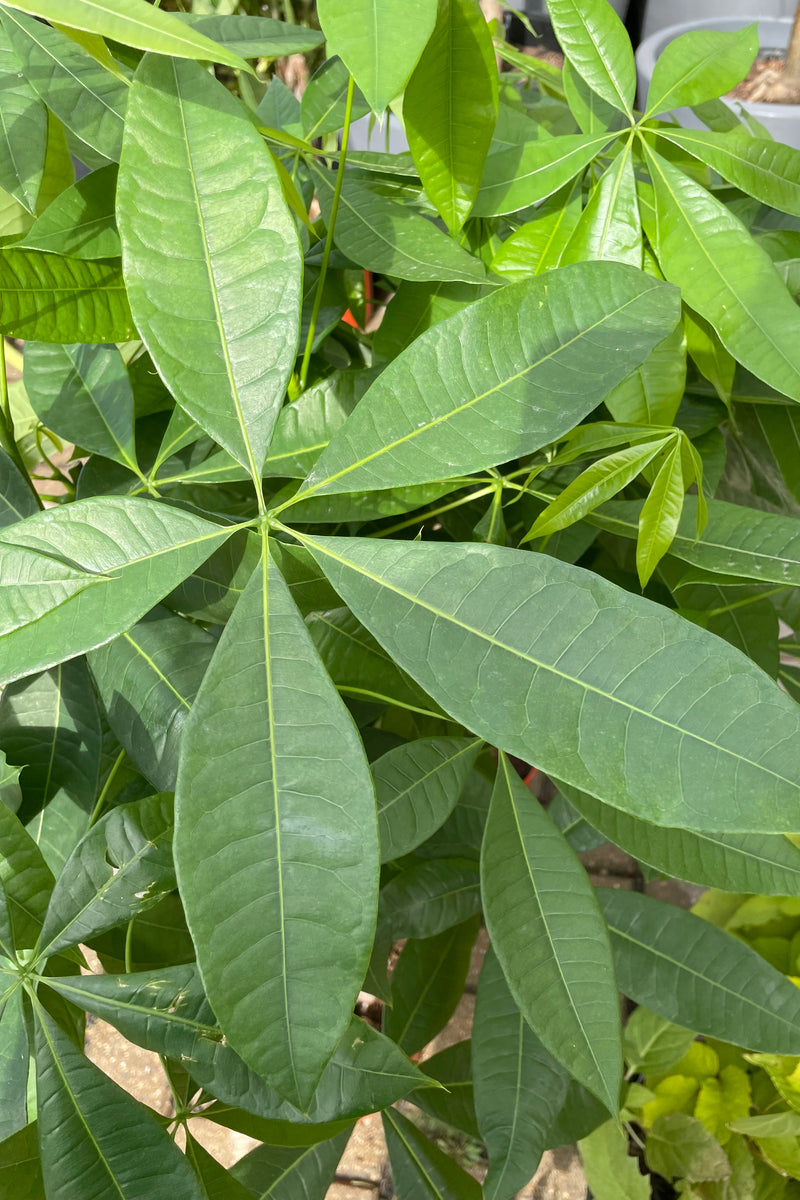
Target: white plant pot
<point>781,120</point>
<point>659,14</point>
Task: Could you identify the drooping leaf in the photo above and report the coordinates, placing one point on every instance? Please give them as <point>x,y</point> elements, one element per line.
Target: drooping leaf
<point>291,1172</point>
<point>700,65</point>
<point>699,976</point>
<point>519,1087</point>
<point>498,380</point>
<point>456,74</point>
<point>215,292</point>
<point>23,130</point>
<point>48,298</point>
<point>132,22</point>
<point>417,786</point>
<point>427,985</point>
<point>138,551</point>
<point>83,393</point>
<point>84,95</point>
<point>282,980</point>
<point>379,43</point>
<point>430,897</point>
<point>420,1170</point>
<point>594,40</point>
<point>147,679</point>
<point>549,937</point>
<point>80,221</point>
<point>121,867</point>
<point>766,864</point>
<point>611,1172</point>
<point>576,699</point>
<point>94,1137</point>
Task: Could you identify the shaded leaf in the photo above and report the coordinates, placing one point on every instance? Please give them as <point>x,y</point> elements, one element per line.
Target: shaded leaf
<point>291,1172</point>
<point>417,786</point>
<point>678,1145</point>
<point>611,1172</point>
<point>13,1066</point>
<point>23,130</point>
<point>430,897</point>
<point>419,1168</point>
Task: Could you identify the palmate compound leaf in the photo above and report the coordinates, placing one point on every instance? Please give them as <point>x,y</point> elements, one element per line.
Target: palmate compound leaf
<point>130,552</point>
<point>276,842</point>
<point>654,715</point>
<point>214,287</point>
<point>550,938</point>
<point>499,379</point>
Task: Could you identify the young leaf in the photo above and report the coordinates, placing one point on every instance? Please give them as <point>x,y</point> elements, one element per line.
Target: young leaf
<point>537,245</point>
<point>660,515</point>
<point>430,897</point>
<point>652,1045</point>
<point>147,679</point>
<point>417,787</point>
<point>768,864</point>
<point>23,130</point>
<point>47,298</point>
<point>725,276</point>
<point>519,176</point>
<point>379,42</point>
<point>550,939</point>
<point>692,973</point>
<point>80,221</point>
<point>215,292</point>
<point>450,107</point>
<point>473,625</point>
<point>284,950</point>
<point>94,1137</point>
<point>427,985</point>
<point>595,42</point>
<point>83,393</point>
<point>699,66</point>
<point>85,96</point>
<point>609,227</point>
<point>421,1171</point>
<point>120,868</point>
<point>291,1172</point>
<point>136,550</point>
<point>519,1088</point>
<point>678,1145</point>
<point>611,1172</point>
<point>133,23</point>
<point>500,379</point>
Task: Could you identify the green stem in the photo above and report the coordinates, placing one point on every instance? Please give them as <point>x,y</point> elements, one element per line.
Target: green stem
<point>129,946</point>
<point>101,799</point>
<point>434,512</point>
<point>326,253</point>
<point>725,608</point>
<point>7,439</point>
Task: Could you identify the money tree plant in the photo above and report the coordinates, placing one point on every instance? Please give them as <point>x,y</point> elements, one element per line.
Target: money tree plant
<point>341,490</point>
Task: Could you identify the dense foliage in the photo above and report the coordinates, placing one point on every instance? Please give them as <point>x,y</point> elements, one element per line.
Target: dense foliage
<point>270,641</point>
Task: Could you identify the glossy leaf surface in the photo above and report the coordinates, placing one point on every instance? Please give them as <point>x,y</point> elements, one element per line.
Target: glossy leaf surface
<point>47,298</point>
<point>700,65</point>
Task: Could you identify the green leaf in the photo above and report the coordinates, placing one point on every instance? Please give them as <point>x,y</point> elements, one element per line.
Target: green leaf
<point>215,1181</point>
<point>591,112</point>
<point>779,1124</point>
<point>678,1145</point>
<point>725,276</point>
<point>251,37</point>
<point>456,74</point>
<point>147,679</point>
<point>324,102</point>
<point>20,1166</point>
<point>25,877</point>
<point>216,294</point>
<point>50,726</point>
<point>767,864</point>
<point>23,130</point>
<point>83,393</point>
<point>660,515</point>
<point>305,427</point>
<point>498,380</point>
<point>452,1104</point>
<point>611,1172</point>
<point>80,221</point>
<point>430,897</point>
<point>390,238</point>
<point>96,1139</point>
<point>768,170</point>
<point>699,66</point>
<point>594,41</point>
<point>599,482</point>
<point>537,245</point>
<point>427,985</point>
<point>84,95</point>
<point>420,1170</point>
<point>16,497</point>
<point>143,550</point>
<point>291,1172</point>
<point>211,592</point>
<point>609,227</point>
<point>417,787</point>
<point>550,939</point>
<point>379,41</point>
<point>121,867</point>
<point>723,1100</point>
<point>519,1088</point>
<point>47,298</point>
<point>522,175</point>
<point>473,625</point>
<point>652,1046</point>
<point>132,22</point>
<point>282,980</point>
<point>699,976</point>
<point>651,394</point>
<point>14,1055</point>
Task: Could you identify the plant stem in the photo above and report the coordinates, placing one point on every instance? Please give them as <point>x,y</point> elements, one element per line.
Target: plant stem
<point>7,440</point>
<point>101,799</point>
<point>129,946</point>
<point>326,253</point>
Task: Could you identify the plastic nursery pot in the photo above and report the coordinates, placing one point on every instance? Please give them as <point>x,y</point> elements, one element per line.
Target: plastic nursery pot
<point>659,14</point>
<point>781,120</point>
